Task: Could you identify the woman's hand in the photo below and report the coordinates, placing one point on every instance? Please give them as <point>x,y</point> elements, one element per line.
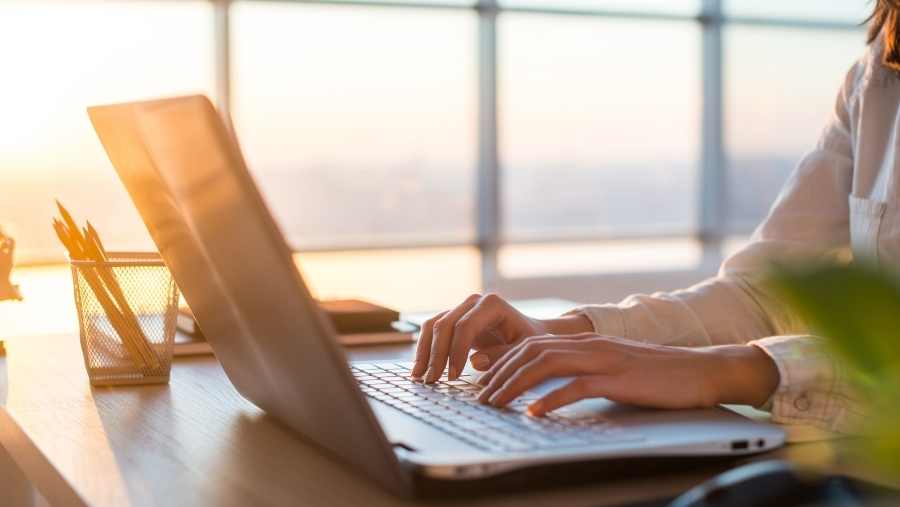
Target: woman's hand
<point>630,372</point>
<point>487,324</point>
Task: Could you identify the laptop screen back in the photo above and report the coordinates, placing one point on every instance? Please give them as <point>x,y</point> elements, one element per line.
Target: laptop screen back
<point>190,185</point>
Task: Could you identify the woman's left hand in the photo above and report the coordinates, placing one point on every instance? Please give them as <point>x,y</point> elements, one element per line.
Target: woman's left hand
<point>630,372</point>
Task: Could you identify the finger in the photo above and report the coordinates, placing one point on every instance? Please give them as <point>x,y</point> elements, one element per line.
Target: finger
<point>548,364</point>
<point>490,311</point>
<point>423,346</point>
<point>501,362</point>
<point>522,354</point>
<point>442,338</point>
<point>483,359</point>
<point>576,390</point>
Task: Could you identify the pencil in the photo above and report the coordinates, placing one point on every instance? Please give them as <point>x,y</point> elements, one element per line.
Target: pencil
<point>123,319</point>
<point>112,284</point>
<point>115,318</point>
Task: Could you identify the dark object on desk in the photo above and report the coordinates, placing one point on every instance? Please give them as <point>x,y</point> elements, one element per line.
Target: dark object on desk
<point>7,289</point>
<point>190,339</point>
<point>363,323</point>
<point>782,484</point>
<point>349,316</point>
<point>187,344</point>
<point>352,316</point>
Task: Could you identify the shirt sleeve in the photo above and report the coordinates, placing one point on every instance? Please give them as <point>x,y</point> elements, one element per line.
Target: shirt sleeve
<point>809,223</point>
<point>815,388</point>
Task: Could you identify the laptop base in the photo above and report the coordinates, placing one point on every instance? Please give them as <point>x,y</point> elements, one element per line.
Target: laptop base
<point>546,477</point>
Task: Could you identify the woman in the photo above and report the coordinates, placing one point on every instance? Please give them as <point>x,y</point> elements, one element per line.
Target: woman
<point>728,339</point>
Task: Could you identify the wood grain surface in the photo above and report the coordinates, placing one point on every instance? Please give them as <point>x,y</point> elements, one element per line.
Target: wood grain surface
<point>196,441</point>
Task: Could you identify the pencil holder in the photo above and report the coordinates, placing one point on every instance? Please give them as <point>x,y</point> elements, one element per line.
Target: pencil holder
<point>127,310</point>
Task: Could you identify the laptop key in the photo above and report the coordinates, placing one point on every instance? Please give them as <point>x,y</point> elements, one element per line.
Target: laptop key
<point>512,444</point>
<point>420,402</point>
<point>453,417</point>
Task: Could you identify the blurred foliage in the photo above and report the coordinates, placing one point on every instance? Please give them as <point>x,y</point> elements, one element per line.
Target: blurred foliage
<point>858,311</point>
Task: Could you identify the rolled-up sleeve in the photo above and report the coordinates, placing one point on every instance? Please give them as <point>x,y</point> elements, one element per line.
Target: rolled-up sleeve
<point>814,387</point>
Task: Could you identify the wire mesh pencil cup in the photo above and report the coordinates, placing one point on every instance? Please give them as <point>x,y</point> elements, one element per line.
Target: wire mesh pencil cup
<point>127,312</point>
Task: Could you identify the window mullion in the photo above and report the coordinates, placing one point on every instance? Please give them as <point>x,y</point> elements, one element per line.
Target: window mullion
<point>488,177</point>
<point>222,48</point>
<point>712,205</point>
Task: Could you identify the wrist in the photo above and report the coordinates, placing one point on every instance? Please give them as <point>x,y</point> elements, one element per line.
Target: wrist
<point>568,325</point>
<point>743,375</point>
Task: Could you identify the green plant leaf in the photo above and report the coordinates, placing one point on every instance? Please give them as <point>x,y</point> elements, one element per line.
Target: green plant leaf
<point>857,309</point>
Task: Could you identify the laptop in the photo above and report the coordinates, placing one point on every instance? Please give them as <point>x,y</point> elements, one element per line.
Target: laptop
<point>190,184</point>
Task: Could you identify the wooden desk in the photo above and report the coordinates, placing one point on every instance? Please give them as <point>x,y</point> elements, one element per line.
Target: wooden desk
<point>196,441</point>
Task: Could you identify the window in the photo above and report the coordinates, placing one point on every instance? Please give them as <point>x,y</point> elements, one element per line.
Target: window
<point>57,58</point>
<point>530,137</point>
<point>358,122</point>
<point>596,142</point>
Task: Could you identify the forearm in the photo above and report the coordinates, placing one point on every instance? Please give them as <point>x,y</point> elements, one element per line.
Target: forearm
<point>741,374</point>
<point>568,325</point>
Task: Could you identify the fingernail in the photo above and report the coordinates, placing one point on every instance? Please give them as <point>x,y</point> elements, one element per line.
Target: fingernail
<point>482,380</point>
<point>483,395</point>
<point>480,361</point>
<point>415,369</point>
<point>429,375</point>
<point>451,374</point>
<point>495,397</point>
<point>536,408</point>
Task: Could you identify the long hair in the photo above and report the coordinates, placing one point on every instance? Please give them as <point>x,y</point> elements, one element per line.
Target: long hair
<point>886,19</point>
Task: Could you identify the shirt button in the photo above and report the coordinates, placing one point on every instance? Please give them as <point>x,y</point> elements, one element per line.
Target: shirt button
<point>802,403</point>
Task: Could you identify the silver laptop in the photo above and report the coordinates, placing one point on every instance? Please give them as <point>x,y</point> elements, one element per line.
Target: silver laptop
<point>190,184</point>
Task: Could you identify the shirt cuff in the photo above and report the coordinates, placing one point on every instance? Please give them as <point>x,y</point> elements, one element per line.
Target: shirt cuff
<point>814,387</point>
<point>607,320</point>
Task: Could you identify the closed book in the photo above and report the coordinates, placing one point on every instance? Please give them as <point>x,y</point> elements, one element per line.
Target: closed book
<point>357,323</point>
<point>186,322</point>
<point>190,344</point>
<point>352,316</point>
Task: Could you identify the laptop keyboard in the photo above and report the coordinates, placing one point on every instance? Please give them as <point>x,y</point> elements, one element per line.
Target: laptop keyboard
<point>451,406</point>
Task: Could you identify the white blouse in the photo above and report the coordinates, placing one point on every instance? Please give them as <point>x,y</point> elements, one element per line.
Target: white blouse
<point>840,204</point>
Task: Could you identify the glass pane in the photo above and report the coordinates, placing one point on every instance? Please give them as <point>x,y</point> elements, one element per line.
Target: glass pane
<point>780,87</point>
<point>651,6</point>
<point>599,126</point>
<point>358,122</point>
<point>851,11</point>
<point>57,58</point>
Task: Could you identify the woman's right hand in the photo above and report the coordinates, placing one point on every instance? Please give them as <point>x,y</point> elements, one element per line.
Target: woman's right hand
<point>487,324</point>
